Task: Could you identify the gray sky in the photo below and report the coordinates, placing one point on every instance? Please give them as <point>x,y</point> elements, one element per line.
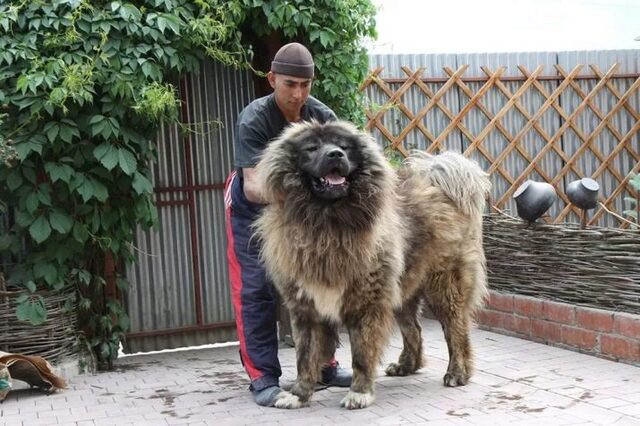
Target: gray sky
<point>469,26</point>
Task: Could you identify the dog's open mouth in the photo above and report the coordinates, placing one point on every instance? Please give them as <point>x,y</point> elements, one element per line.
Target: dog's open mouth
<point>333,183</point>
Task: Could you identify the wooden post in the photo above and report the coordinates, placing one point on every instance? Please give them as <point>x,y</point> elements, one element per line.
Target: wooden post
<point>583,221</point>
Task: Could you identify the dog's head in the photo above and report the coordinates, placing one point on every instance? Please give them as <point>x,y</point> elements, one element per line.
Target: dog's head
<point>327,157</point>
<point>327,162</point>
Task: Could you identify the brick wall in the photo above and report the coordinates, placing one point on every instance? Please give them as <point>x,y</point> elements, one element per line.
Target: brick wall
<point>608,334</point>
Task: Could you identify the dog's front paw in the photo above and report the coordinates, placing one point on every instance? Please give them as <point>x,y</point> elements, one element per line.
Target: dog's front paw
<point>395,369</point>
<point>355,400</point>
<point>455,379</point>
<point>289,401</point>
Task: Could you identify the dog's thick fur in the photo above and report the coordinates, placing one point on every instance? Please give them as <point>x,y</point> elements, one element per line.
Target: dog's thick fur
<point>348,240</point>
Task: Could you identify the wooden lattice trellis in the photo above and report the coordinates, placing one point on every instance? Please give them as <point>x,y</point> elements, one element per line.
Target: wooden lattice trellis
<point>621,157</point>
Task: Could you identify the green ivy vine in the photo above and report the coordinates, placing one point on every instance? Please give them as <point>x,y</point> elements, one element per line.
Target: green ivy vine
<point>84,86</point>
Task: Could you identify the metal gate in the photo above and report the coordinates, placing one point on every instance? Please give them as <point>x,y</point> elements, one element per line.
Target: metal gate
<point>179,293</point>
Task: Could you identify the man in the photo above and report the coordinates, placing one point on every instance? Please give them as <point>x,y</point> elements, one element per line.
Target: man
<point>254,297</point>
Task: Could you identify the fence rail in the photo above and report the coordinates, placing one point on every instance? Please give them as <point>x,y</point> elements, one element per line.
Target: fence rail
<point>553,128</point>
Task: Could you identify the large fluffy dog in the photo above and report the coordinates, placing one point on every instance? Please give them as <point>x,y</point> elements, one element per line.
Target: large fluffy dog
<point>348,240</point>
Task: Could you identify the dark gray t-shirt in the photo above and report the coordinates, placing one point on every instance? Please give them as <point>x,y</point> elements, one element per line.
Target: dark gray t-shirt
<point>262,121</point>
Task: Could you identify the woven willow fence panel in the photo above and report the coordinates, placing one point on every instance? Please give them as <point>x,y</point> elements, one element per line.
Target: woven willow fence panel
<point>580,122</point>
<point>597,267</point>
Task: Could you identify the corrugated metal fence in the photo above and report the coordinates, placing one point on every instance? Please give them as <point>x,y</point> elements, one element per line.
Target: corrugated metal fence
<point>179,292</point>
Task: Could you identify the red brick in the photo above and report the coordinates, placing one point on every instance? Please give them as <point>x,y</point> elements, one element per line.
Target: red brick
<point>585,339</point>
<point>527,306</point>
<point>500,302</point>
<point>491,319</point>
<point>627,325</point>
<point>594,319</point>
<point>620,347</point>
<point>546,330</point>
<point>518,324</point>
<point>558,312</point>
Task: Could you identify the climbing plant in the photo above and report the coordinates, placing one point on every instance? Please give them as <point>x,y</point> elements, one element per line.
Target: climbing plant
<point>84,87</point>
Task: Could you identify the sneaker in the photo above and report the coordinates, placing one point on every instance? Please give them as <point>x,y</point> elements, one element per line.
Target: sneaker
<point>336,376</point>
<point>267,397</point>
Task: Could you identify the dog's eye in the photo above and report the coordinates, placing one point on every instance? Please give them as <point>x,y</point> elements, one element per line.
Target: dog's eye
<point>345,147</point>
<point>311,148</point>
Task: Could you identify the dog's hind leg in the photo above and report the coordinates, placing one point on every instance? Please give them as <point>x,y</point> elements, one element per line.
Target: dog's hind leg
<point>449,304</point>
<point>411,358</point>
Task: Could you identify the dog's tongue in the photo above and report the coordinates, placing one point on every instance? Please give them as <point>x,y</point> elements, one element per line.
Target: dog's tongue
<point>334,179</point>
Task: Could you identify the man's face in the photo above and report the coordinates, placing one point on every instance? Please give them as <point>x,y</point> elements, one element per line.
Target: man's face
<point>290,92</point>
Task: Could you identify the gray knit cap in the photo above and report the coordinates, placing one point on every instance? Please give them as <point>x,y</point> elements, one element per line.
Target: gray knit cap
<point>293,59</point>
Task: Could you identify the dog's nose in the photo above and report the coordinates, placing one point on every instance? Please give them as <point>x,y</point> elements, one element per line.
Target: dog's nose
<point>335,153</point>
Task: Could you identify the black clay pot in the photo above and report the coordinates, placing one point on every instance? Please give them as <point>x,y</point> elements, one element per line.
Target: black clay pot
<point>533,199</point>
<point>583,193</point>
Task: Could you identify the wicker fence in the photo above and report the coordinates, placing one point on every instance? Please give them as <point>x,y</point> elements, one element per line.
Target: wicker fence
<point>580,122</point>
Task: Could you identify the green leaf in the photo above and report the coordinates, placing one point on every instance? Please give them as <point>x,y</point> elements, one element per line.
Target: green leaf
<point>107,154</point>
<point>85,189</point>
<point>40,229</point>
<point>52,130</point>
<point>22,297</point>
<point>127,161</point>
<point>57,172</point>
<point>44,194</point>
<point>32,203</point>
<point>123,321</point>
<point>130,13</point>
<point>23,218</point>
<point>14,180</point>
<point>25,148</point>
<point>61,221</point>
<point>32,311</point>
<point>47,271</point>
<point>31,286</point>
<point>100,192</point>
<point>67,133</point>
<point>80,232</point>
<point>96,119</point>
<point>141,184</point>
<point>30,174</point>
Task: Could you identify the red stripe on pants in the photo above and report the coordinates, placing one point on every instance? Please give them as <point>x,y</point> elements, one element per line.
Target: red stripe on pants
<point>235,276</point>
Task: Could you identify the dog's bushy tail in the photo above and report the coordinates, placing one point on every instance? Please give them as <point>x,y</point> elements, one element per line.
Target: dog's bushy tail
<point>461,179</point>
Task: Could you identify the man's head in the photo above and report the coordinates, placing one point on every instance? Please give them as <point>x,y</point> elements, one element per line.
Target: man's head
<point>290,77</point>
